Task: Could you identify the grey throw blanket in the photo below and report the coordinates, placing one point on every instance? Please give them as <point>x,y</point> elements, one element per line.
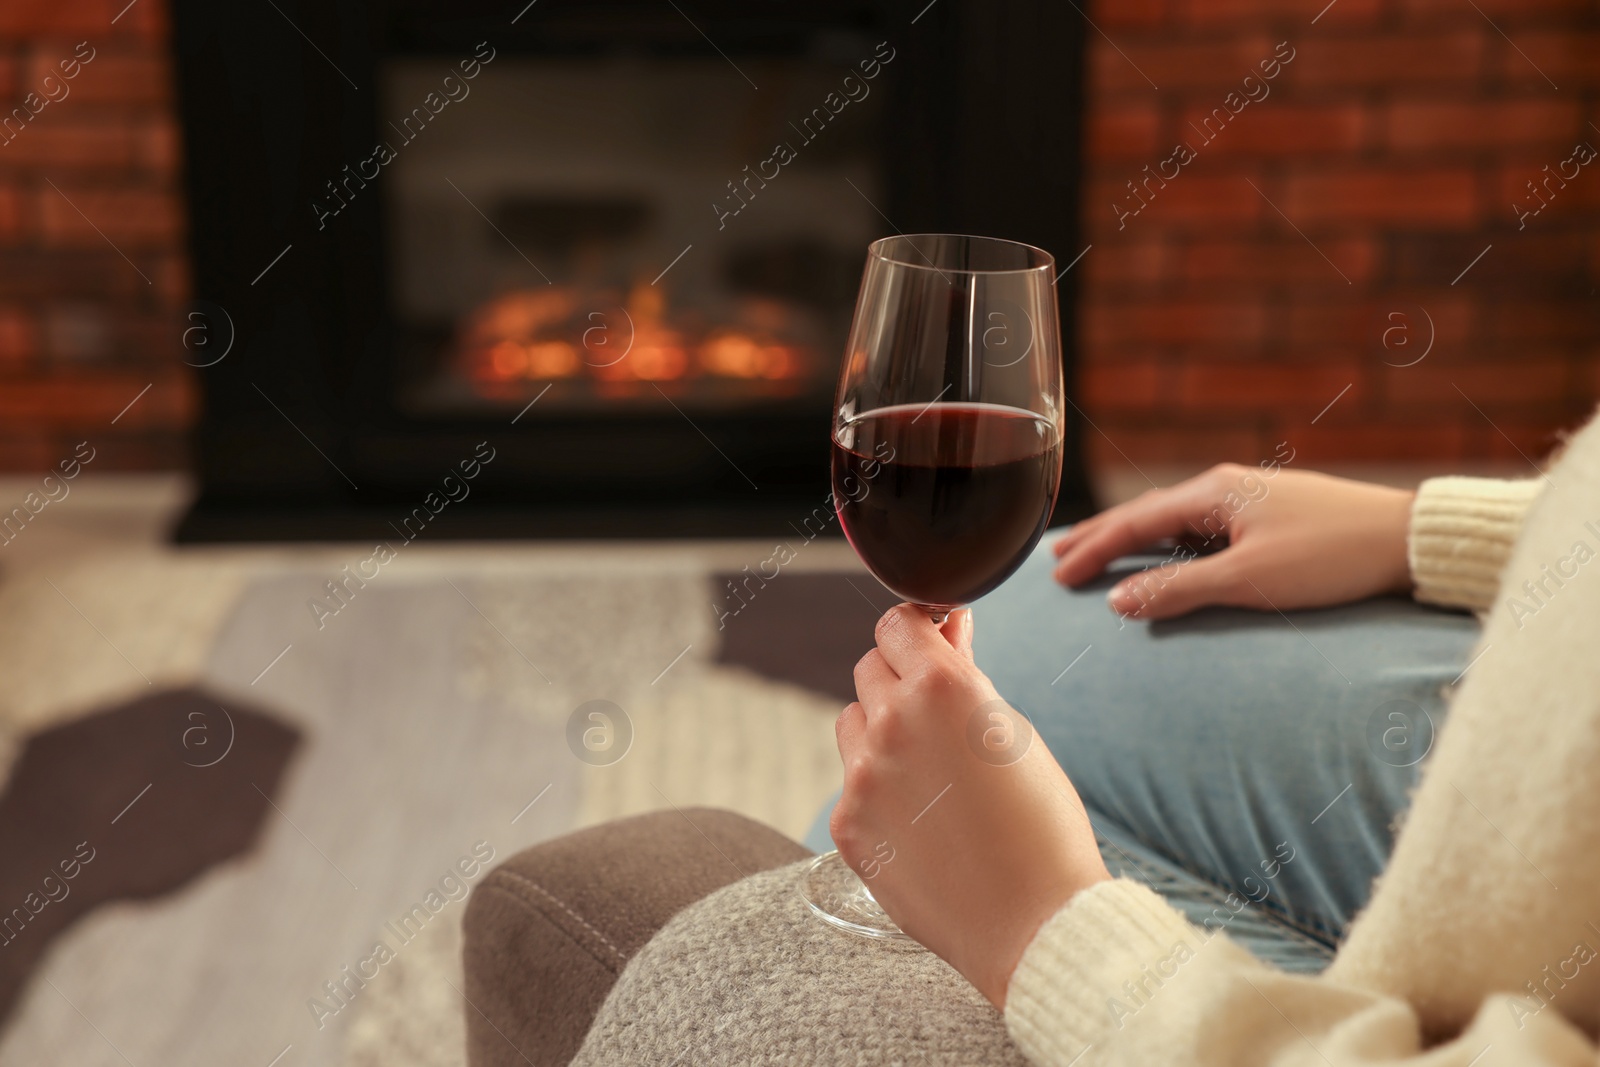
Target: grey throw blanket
<point>749,976</point>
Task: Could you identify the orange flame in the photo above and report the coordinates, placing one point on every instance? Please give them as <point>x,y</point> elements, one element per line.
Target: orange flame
<point>547,335</point>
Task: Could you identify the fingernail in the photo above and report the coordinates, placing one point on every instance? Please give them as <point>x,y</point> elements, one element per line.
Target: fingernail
<point>1122,601</point>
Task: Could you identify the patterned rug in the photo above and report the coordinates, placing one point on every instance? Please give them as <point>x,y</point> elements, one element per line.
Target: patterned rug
<point>444,713</point>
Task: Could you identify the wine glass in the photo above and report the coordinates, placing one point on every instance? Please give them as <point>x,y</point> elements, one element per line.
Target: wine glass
<point>947,439</point>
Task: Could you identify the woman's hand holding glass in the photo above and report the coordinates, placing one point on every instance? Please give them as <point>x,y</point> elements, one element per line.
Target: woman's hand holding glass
<point>954,812</point>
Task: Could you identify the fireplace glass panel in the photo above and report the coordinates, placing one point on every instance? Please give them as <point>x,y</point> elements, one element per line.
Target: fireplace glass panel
<point>567,231</point>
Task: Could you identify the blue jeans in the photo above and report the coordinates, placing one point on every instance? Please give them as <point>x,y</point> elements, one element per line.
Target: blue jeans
<point>1249,766</point>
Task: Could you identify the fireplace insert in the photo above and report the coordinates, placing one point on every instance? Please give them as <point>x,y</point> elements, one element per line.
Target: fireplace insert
<point>601,254</point>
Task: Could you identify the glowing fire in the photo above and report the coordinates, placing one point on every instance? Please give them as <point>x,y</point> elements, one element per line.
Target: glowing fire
<point>556,333</point>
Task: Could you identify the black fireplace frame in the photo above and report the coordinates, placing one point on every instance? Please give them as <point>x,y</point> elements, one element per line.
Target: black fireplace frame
<point>300,436</point>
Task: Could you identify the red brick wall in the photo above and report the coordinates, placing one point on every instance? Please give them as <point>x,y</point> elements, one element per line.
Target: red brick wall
<point>1396,140</point>
<point>92,272</point>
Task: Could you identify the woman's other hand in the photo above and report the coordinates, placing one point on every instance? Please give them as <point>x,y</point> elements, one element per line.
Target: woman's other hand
<point>954,812</point>
<point>1292,539</point>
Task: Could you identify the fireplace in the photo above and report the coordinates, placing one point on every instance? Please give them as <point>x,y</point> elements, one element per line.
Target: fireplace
<point>613,246</point>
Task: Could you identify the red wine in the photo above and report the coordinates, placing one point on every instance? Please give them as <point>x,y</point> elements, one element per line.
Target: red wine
<point>944,501</point>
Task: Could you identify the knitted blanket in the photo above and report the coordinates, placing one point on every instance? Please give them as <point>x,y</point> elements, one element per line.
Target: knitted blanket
<point>749,976</point>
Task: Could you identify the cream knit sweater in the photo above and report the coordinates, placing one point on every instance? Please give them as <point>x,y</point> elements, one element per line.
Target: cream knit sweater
<point>1481,945</point>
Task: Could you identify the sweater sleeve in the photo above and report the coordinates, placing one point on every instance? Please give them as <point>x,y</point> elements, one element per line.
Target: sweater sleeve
<point>1461,533</point>
<point>1117,977</point>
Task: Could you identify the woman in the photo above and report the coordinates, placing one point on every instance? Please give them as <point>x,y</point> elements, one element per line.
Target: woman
<point>1475,948</point>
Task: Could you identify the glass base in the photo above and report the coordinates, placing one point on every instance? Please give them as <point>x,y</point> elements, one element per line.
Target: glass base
<point>840,898</point>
